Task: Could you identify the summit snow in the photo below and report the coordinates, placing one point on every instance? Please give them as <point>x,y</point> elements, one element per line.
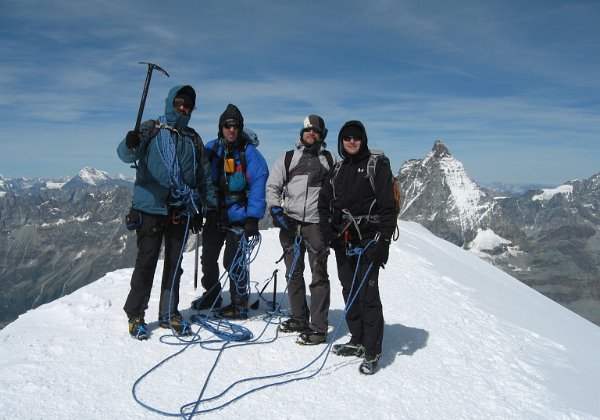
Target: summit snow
<point>462,340</point>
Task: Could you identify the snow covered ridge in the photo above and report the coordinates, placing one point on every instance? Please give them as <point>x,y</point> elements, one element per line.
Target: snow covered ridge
<point>462,340</point>
<point>547,194</point>
<point>86,176</point>
<point>93,176</point>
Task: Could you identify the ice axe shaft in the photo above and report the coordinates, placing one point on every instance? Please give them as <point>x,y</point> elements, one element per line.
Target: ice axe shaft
<point>196,261</point>
<point>151,67</point>
<point>274,302</point>
<point>256,304</point>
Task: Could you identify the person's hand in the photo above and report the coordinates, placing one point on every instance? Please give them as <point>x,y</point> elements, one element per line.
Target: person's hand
<point>251,227</point>
<point>196,223</point>
<point>381,253</point>
<point>132,139</point>
<point>280,219</point>
<point>211,223</point>
<point>336,244</point>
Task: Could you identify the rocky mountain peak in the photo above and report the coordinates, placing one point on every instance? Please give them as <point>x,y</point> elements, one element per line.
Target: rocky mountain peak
<point>440,195</point>
<point>439,150</point>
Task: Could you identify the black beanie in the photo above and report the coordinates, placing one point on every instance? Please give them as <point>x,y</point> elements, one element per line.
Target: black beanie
<point>231,114</point>
<point>352,131</point>
<point>186,96</point>
<point>183,99</point>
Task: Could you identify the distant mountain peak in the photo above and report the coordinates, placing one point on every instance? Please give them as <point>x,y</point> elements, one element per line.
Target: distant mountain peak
<point>439,150</point>
<point>93,176</point>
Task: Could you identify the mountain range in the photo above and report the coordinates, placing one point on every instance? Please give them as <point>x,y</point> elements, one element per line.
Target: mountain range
<point>58,235</point>
<point>547,238</point>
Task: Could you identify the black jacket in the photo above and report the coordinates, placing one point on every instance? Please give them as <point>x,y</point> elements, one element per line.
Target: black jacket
<point>351,192</point>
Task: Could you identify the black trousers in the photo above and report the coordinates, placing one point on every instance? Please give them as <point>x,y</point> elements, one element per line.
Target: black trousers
<point>149,241</point>
<point>212,243</point>
<point>365,316</point>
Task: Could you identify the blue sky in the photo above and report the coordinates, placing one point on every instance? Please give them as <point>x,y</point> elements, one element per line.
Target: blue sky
<point>511,87</point>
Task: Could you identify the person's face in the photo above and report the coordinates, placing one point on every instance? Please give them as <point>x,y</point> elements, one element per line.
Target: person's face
<point>351,144</point>
<point>311,135</point>
<point>230,131</point>
<point>183,110</point>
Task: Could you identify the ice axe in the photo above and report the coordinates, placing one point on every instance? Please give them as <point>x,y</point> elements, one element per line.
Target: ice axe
<point>256,304</point>
<point>151,67</point>
<point>196,261</point>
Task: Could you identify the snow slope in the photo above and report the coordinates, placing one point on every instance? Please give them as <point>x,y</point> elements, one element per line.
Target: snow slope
<point>462,340</point>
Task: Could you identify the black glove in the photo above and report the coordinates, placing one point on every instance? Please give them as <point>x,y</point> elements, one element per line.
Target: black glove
<point>280,219</point>
<point>196,223</point>
<point>211,223</point>
<point>381,253</point>
<point>132,139</point>
<point>334,242</point>
<point>251,227</point>
<point>337,244</point>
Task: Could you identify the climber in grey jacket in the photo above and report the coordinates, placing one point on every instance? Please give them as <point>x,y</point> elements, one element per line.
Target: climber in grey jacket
<point>292,197</point>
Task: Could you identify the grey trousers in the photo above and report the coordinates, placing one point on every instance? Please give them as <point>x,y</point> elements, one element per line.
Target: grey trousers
<point>312,241</point>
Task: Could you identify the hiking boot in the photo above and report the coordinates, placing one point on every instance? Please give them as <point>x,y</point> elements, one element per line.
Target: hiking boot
<point>176,324</point>
<point>233,312</point>
<point>369,364</point>
<point>293,325</point>
<point>311,338</point>
<point>138,328</point>
<point>348,349</point>
<point>206,302</point>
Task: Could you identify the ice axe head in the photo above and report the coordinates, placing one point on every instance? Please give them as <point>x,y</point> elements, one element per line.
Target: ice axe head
<point>151,67</point>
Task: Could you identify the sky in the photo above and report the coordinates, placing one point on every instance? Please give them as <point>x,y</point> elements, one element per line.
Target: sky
<point>462,340</point>
<point>510,87</point>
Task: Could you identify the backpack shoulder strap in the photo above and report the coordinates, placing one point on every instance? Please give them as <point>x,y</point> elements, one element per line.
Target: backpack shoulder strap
<point>287,161</point>
<point>191,133</point>
<point>242,153</point>
<point>328,157</point>
<point>213,151</point>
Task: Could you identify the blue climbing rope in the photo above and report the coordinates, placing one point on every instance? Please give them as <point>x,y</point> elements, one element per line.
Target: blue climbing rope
<point>190,410</point>
<point>167,149</point>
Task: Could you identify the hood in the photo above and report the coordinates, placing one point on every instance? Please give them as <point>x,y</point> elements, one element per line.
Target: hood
<point>174,118</point>
<point>231,113</point>
<point>364,144</point>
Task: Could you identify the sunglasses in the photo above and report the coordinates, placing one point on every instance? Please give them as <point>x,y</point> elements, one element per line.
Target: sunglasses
<point>313,129</point>
<point>351,138</point>
<point>231,125</point>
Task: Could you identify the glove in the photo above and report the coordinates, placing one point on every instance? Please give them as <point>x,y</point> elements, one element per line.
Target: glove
<point>196,223</point>
<point>251,227</point>
<point>280,219</point>
<point>337,244</point>
<point>132,139</point>
<point>381,253</point>
<point>211,224</point>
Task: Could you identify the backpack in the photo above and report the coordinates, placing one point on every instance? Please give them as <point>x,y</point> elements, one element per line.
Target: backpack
<point>288,160</point>
<point>378,156</point>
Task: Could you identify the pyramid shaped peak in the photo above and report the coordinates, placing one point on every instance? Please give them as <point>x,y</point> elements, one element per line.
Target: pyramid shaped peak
<point>439,150</point>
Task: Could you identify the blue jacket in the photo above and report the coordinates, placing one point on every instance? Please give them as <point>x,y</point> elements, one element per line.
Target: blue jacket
<point>153,191</point>
<point>253,204</point>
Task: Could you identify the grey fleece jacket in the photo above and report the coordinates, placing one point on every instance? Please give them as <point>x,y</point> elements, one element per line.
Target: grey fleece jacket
<point>299,195</point>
